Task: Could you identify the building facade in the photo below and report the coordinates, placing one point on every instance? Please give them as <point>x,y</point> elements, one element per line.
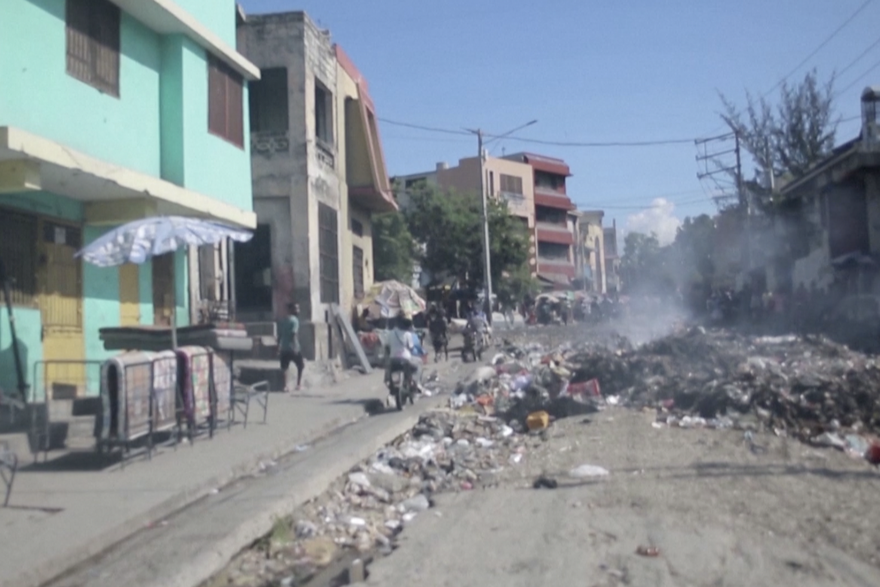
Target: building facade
<point>319,174</point>
<point>590,252</point>
<point>613,282</point>
<point>111,117</point>
<point>554,228</point>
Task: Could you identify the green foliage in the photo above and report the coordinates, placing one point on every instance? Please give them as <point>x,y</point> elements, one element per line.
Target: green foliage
<point>449,225</point>
<point>515,284</point>
<point>394,249</point>
<point>787,138</point>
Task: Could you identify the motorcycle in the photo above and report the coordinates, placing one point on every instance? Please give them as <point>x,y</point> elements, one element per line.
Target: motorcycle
<point>401,386</point>
<point>473,346</point>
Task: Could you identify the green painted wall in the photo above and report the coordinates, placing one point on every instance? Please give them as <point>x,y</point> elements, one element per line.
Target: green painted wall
<point>45,203</point>
<point>193,157</point>
<point>27,330</point>
<point>171,104</point>
<point>181,287</point>
<point>39,96</point>
<point>100,300</point>
<point>217,15</point>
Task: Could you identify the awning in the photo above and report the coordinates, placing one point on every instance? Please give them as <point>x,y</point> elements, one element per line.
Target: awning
<point>556,279</point>
<point>560,236</point>
<point>113,194</point>
<point>553,200</point>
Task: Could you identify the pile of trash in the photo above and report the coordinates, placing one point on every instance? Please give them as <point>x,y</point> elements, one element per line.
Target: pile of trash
<point>808,388</point>
<point>366,509</point>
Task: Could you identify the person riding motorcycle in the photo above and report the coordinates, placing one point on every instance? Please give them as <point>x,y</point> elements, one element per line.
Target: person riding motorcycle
<point>403,346</point>
<point>439,333</point>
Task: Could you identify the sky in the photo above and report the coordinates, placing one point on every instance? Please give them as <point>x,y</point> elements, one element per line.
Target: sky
<point>593,72</point>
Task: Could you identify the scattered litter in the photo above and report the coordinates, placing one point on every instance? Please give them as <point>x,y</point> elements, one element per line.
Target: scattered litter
<point>538,420</point>
<point>585,471</point>
<point>545,483</point>
<point>649,551</point>
<point>301,448</point>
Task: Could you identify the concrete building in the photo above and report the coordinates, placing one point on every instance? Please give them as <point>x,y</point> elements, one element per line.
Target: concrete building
<point>613,283</point>
<point>504,179</point>
<point>554,229</point>
<point>119,111</point>
<point>590,252</point>
<point>827,234</point>
<point>319,174</point>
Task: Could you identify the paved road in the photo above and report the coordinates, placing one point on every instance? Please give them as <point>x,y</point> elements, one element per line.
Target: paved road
<point>188,547</point>
<point>721,513</point>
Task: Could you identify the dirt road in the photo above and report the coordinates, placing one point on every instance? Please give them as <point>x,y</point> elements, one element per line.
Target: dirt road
<point>721,511</point>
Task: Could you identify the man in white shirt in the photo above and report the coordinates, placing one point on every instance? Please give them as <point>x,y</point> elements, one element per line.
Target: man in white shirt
<point>401,343</point>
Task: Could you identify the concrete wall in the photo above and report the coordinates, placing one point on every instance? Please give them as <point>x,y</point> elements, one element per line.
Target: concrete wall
<point>293,168</point>
<point>465,177</point>
<point>38,96</point>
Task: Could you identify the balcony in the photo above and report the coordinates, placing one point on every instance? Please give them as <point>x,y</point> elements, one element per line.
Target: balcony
<point>553,199</point>
<point>549,232</point>
<point>267,142</point>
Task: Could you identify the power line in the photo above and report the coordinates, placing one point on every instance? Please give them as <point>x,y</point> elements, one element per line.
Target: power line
<point>857,59</point>
<point>542,141</point>
<point>858,79</point>
<point>821,45</point>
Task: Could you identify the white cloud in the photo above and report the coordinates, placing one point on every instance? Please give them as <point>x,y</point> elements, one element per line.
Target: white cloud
<point>659,219</point>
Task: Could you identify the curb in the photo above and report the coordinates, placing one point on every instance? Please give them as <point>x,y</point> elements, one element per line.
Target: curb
<point>52,568</point>
<point>215,559</point>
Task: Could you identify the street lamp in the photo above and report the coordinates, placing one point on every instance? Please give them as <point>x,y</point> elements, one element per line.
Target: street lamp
<point>487,275</point>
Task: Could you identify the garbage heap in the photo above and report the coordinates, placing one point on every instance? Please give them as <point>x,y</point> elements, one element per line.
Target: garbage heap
<point>366,509</point>
<point>809,388</point>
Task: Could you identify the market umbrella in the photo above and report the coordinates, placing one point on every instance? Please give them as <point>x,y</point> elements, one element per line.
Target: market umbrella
<point>146,238</point>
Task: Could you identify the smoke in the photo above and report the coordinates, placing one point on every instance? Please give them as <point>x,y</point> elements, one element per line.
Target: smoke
<point>659,219</point>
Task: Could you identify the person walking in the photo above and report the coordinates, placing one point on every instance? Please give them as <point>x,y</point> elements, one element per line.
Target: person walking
<point>289,350</point>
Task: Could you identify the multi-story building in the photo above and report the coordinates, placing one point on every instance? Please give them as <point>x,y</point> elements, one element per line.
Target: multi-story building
<point>590,252</point>
<point>319,174</point>
<point>503,179</point>
<point>554,228</point>
<point>120,110</point>
<point>612,259</point>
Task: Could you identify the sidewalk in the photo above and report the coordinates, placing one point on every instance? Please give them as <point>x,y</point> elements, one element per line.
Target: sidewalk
<point>59,518</point>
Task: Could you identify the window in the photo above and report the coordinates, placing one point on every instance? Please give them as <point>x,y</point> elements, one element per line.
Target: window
<point>225,89</point>
<point>548,180</point>
<point>323,113</point>
<point>357,227</point>
<point>553,251</point>
<point>358,272</point>
<point>268,100</point>
<point>511,184</point>
<point>18,254</point>
<point>492,183</point>
<point>328,251</point>
<point>93,43</point>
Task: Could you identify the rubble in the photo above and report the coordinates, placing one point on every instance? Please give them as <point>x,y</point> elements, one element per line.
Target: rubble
<point>807,388</point>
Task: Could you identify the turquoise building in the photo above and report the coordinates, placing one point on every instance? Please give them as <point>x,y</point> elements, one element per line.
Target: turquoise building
<point>112,111</point>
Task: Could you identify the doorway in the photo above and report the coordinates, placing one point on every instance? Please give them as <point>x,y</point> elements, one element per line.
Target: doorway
<point>163,289</point>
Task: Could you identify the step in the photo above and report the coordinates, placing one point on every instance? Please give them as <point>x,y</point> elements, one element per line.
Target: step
<point>18,443</point>
<point>254,371</point>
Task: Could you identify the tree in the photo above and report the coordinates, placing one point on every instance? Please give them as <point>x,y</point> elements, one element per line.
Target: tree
<point>394,249</point>
<point>790,137</point>
<point>515,284</point>
<point>449,225</point>
<point>694,248</point>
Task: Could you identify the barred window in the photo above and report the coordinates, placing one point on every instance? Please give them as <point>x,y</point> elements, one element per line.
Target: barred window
<point>93,43</point>
<point>18,254</point>
<point>358,272</point>
<point>328,250</point>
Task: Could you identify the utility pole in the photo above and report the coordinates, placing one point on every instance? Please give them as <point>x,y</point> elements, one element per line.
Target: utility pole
<point>745,202</point>
<point>487,263</point>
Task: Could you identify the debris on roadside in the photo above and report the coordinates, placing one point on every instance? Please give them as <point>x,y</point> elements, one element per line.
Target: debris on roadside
<point>648,551</point>
<point>808,388</point>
